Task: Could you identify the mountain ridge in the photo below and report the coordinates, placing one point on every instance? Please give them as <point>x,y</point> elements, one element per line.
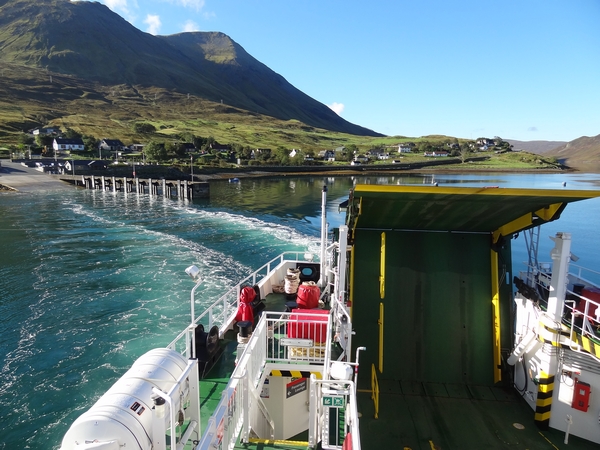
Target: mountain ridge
<point>89,41</point>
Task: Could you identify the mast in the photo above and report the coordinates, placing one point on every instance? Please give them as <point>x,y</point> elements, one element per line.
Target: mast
<point>323,275</point>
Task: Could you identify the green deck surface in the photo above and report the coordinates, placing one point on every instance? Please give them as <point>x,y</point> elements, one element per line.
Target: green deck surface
<point>426,416</point>
<point>434,413</point>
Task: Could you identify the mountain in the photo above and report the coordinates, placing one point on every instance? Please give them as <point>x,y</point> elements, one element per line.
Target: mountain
<point>539,147</point>
<point>88,42</point>
<point>582,153</point>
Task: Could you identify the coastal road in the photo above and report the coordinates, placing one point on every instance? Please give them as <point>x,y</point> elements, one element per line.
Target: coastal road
<point>26,179</point>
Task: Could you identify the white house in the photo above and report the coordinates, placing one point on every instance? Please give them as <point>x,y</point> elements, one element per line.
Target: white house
<point>49,130</point>
<point>327,155</point>
<point>436,153</point>
<point>67,145</point>
<point>403,148</point>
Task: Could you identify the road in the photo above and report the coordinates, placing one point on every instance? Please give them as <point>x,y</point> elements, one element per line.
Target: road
<point>27,179</point>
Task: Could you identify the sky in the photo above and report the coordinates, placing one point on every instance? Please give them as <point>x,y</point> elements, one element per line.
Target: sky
<point>518,69</point>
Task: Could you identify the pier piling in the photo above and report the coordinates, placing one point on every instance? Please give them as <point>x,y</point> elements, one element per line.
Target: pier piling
<point>182,189</point>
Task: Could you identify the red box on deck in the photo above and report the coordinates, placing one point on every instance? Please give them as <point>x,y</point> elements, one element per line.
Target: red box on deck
<point>308,324</point>
<point>592,294</point>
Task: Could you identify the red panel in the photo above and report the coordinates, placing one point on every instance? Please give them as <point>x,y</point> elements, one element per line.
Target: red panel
<point>593,294</point>
<point>308,325</point>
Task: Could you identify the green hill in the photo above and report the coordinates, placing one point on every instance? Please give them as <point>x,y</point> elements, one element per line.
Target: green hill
<point>98,53</point>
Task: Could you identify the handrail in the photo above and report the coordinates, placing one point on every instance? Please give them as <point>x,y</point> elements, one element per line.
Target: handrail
<point>263,410</point>
<point>582,319</point>
<point>222,312</point>
<point>254,363</point>
<point>336,388</point>
<point>375,390</point>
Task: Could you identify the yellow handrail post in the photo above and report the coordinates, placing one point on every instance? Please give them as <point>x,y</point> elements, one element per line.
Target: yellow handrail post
<point>382,268</point>
<point>496,317</point>
<point>380,323</point>
<point>375,390</point>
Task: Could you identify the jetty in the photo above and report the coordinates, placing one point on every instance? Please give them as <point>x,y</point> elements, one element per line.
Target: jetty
<point>184,189</point>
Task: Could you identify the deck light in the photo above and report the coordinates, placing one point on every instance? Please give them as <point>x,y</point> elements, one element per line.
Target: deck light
<point>193,272</point>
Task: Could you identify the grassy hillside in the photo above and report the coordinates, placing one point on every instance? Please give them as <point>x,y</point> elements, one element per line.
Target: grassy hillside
<point>88,41</point>
<point>582,153</point>
<point>79,65</point>
<point>34,97</point>
<point>539,147</point>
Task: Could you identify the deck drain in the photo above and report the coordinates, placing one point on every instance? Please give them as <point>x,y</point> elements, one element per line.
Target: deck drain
<point>518,426</point>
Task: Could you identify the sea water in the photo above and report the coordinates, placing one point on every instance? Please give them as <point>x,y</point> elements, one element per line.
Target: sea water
<point>90,280</point>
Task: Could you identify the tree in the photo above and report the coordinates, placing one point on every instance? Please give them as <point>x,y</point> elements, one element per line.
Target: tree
<point>26,139</point>
<point>281,155</point>
<point>156,151</point>
<point>180,150</point>
<point>199,141</point>
<point>465,152</point>
<point>44,140</point>
<point>90,143</point>
<point>70,133</point>
<point>143,128</point>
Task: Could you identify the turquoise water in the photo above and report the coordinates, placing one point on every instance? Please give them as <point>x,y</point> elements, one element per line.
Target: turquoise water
<point>90,280</point>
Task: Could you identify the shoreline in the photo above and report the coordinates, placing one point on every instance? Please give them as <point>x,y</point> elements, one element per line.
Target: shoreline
<point>17,178</point>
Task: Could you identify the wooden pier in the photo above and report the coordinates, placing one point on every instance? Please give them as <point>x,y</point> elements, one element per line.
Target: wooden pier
<point>167,188</point>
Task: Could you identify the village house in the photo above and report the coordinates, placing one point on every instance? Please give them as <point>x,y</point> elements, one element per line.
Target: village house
<point>111,145</point>
<point>436,153</point>
<point>484,144</point>
<point>136,148</point>
<point>485,141</point>
<point>80,166</point>
<point>219,147</point>
<point>266,152</point>
<point>189,147</point>
<point>46,131</point>
<point>67,145</point>
<point>404,148</point>
<point>327,155</point>
<point>375,152</point>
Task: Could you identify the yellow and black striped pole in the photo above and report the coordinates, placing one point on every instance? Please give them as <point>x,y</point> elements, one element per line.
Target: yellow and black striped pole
<point>543,403</point>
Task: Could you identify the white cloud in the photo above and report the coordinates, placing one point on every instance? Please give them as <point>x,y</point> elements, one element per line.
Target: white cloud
<point>117,5</point>
<point>190,25</point>
<point>338,108</point>
<point>153,22</point>
<point>123,7</point>
<point>192,4</point>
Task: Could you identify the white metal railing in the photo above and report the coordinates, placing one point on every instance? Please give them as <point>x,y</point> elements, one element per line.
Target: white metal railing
<point>222,312</point>
<point>263,424</point>
<point>226,422</point>
<point>298,336</point>
<point>326,397</point>
<point>583,275</point>
<point>173,398</point>
<point>583,313</point>
<point>291,339</point>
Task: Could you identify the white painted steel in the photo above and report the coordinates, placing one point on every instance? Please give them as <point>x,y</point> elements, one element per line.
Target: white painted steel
<point>124,413</point>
